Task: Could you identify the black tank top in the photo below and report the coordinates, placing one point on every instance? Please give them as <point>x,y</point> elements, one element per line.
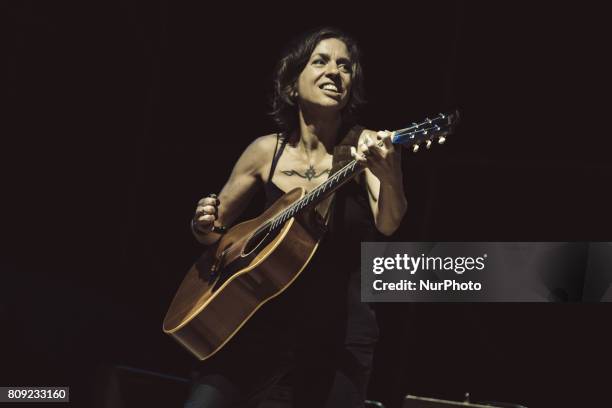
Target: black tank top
<point>313,311</point>
<point>273,193</point>
<point>352,221</point>
<point>317,300</point>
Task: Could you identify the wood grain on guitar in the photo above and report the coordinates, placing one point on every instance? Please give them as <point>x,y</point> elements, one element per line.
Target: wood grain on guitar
<point>258,259</point>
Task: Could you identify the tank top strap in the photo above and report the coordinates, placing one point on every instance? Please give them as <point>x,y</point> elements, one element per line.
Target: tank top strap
<point>277,154</point>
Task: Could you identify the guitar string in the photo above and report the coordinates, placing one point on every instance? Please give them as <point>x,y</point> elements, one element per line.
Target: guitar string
<point>270,223</point>
<point>430,124</point>
<point>397,133</point>
<point>316,190</point>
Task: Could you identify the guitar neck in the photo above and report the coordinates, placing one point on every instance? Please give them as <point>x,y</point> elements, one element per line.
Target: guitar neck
<point>425,131</point>
<point>320,193</point>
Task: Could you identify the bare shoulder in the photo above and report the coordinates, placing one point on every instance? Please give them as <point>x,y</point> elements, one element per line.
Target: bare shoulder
<point>258,154</point>
<point>265,143</point>
<point>262,148</point>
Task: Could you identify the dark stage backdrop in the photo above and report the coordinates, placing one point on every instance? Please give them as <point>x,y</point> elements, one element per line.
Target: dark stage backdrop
<point>121,115</point>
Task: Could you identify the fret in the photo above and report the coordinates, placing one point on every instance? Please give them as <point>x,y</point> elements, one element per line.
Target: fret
<point>410,136</point>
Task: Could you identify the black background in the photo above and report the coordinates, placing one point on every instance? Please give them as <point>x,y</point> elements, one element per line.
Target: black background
<point>121,115</point>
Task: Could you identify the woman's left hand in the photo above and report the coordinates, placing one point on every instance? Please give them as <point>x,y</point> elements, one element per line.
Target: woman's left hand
<point>378,154</point>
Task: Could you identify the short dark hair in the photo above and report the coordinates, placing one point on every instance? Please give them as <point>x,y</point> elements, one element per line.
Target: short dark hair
<point>284,108</point>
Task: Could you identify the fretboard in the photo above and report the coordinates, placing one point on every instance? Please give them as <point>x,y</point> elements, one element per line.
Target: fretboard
<point>410,136</point>
<point>318,194</point>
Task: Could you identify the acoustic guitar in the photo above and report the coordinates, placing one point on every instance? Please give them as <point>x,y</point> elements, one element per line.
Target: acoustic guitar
<point>258,259</point>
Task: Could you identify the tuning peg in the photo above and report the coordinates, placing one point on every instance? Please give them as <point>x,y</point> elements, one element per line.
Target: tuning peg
<point>441,140</point>
<point>415,148</point>
<point>428,144</point>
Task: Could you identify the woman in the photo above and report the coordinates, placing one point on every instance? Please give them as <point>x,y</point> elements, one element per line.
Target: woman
<point>318,87</point>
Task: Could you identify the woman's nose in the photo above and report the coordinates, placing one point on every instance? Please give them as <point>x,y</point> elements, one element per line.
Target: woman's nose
<point>332,69</point>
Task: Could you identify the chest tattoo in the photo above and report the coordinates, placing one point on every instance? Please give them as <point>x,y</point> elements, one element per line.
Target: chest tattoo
<point>309,174</point>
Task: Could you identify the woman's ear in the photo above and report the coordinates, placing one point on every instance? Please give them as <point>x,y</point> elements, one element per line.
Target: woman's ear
<point>291,94</point>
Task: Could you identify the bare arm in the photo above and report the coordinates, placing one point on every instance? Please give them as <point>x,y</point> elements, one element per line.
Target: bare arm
<point>236,193</point>
<point>384,180</point>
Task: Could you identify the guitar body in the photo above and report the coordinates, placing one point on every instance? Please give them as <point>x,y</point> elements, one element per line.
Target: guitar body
<point>240,273</point>
<point>258,259</point>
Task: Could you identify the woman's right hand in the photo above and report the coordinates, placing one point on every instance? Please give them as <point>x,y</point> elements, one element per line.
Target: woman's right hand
<point>206,213</point>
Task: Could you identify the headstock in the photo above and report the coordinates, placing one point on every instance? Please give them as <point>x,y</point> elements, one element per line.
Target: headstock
<point>435,129</point>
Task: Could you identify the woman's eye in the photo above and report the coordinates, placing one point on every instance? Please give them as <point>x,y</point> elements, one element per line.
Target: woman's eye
<point>344,67</point>
<point>318,62</point>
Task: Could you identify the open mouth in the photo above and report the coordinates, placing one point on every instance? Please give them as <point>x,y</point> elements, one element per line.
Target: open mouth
<point>331,87</point>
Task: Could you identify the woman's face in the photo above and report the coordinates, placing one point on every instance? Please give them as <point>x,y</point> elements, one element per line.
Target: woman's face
<point>326,78</point>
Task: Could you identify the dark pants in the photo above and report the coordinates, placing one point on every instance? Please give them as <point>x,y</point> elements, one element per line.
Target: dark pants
<point>315,383</point>
<point>355,363</point>
<point>328,369</point>
<point>248,384</point>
